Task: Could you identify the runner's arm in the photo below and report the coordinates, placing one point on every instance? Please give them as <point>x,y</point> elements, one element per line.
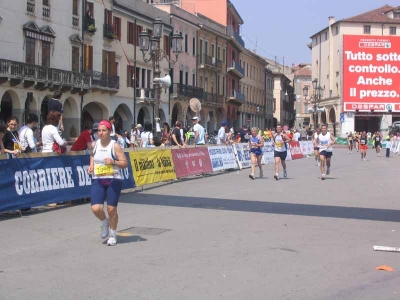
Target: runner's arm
<point>121,161</point>
<point>261,144</point>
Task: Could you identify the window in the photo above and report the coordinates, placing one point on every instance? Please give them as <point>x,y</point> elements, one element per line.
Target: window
<point>206,48</point>
<point>336,30</point>
<point>117,27</point>
<point>193,79</point>
<point>194,46</point>
<point>75,7</point>
<point>137,77</point>
<point>89,9</point>
<point>109,66</point>
<point>167,45</point>
<point>396,15</point>
<point>30,51</point>
<point>108,17</point>
<point>130,81</point>
<point>392,30</point>
<point>186,43</point>
<point>326,36</point>
<point>131,33</point>
<point>46,2</point>
<point>223,86</point>
<point>187,78</point>
<point>149,79</point>
<point>75,59</point>
<point>224,56</point>
<point>212,50</point>
<point>219,53</point>
<point>367,29</point>
<point>46,54</point>
<point>88,58</point>
<point>139,29</point>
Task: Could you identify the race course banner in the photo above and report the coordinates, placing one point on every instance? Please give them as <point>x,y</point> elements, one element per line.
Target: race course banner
<point>222,158</point>
<point>243,155</point>
<point>295,150</point>
<point>268,153</point>
<point>191,161</point>
<point>307,147</point>
<point>29,182</point>
<point>152,166</point>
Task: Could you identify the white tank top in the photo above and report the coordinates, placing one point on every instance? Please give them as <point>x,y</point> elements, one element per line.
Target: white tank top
<point>323,141</point>
<point>279,143</point>
<point>101,170</point>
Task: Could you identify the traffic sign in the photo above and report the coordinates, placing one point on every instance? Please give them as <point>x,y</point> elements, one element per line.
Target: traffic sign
<point>341,117</point>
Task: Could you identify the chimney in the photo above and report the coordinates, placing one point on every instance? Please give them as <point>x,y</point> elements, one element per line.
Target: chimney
<point>331,20</point>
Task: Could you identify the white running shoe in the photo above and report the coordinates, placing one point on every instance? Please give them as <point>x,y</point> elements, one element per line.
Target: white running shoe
<point>365,159</point>
<point>105,229</point>
<point>112,240</point>
<point>276,176</point>
<point>251,176</point>
<point>323,177</point>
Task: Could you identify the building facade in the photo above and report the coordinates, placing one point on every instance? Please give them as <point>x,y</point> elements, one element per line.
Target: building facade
<point>253,85</point>
<point>283,100</point>
<point>327,63</point>
<point>134,101</point>
<point>44,51</point>
<point>303,92</point>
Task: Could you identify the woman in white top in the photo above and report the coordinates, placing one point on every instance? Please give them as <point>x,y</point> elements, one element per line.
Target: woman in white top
<point>147,136</point>
<point>106,161</point>
<point>50,132</point>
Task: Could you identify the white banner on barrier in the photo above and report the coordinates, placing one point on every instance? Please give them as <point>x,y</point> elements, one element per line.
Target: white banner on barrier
<point>222,158</point>
<point>395,147</point>
<point>268,153</point>
<point>242,155</point>
<point>307,147</point>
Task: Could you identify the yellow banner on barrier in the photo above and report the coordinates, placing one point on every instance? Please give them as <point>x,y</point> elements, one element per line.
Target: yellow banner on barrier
<point>152,166</point>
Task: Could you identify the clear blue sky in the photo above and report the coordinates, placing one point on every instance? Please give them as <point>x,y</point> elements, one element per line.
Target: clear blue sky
<point>283,28</point>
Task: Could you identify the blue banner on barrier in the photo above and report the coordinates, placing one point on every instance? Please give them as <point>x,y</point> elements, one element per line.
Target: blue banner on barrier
<point>28,182</point>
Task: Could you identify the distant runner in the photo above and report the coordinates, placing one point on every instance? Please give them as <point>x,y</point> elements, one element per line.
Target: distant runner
<point>325,142</point>
<point>280,151</point>
<point>363,145</point>
<point>316,148</point>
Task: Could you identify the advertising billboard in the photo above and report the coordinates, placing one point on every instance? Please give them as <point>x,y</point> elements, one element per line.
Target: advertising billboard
<point>371,73</point>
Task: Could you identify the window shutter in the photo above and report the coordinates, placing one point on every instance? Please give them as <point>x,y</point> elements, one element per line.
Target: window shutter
<point>91,58</point>
<point>104,64</point>
<point>111,62</point>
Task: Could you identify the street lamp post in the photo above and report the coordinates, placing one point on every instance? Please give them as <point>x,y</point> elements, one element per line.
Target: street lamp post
<point>317,95</point>
<point>151,45</point>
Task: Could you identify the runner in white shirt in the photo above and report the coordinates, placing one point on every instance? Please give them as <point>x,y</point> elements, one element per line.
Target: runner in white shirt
<point>316,148</point>
<point>325,141</point>
<point>280,151</point>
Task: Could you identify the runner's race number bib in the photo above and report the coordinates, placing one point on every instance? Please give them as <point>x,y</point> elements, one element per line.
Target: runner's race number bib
<point>103,170</point>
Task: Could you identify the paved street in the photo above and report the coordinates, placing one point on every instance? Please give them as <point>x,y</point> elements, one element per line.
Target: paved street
<point>226,238</point>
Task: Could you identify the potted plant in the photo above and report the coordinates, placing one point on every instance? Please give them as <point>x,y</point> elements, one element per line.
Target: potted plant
<point>92,28</point>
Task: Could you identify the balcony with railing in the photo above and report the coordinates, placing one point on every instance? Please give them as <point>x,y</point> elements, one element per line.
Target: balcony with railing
<point>237,97</point>
<point>236,69</point>
<point>215,99</point>
<point>209,62</point>
<point>103,81</point>
<point>186,91</point>
<point>30,7</point>
<point>144,94</point>
<point>42,77</point>
<point>46,12</point>
<point>232,33</point>
<point>90,24</point>
<point>108,31</point>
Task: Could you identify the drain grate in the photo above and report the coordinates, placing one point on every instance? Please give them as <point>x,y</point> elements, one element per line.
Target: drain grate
<point>144,230</point>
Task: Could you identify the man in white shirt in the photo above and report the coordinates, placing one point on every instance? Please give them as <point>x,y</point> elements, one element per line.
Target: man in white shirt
<point>297,136</point>
<point>199,132</point>
<point>26,134</point>
<point>221,140</point>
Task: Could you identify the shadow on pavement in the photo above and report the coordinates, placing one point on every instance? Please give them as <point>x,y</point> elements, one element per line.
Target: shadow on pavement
<point>341,212</point>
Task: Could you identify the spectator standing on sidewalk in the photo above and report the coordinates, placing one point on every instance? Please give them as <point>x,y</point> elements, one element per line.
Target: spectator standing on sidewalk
<point>85,139</point>
<point>50,132</point>
<point>199,132</point>
<point>56,105</point>
<point>245,134</point>
<point>11,142</point>
<point>177,139</point>
<point>113,133</point>
<point>26,134</point>
<point>221,139</point>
